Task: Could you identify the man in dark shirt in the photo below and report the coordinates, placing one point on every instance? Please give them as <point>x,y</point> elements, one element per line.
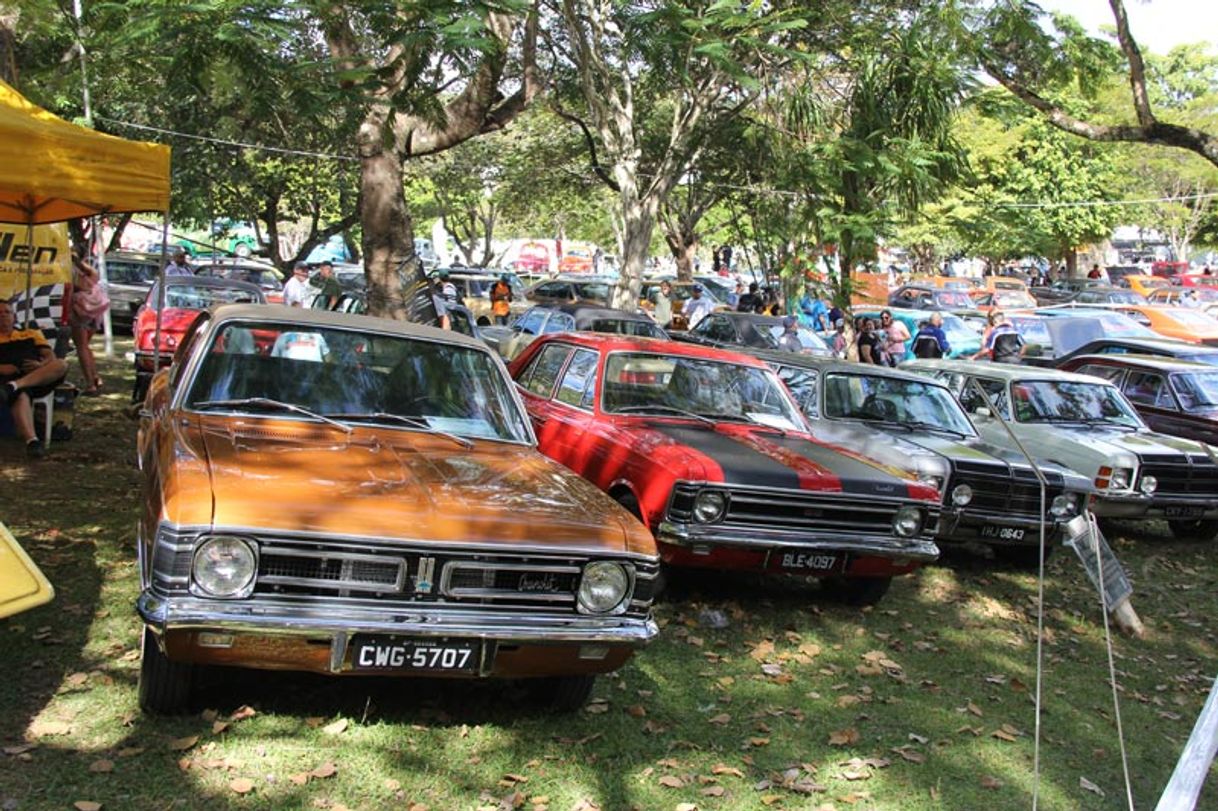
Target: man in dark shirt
<point>331,290</point>
<point>930,341</point>
<point>28,370</point>
<point>749,300</point>
<point>870,345</point>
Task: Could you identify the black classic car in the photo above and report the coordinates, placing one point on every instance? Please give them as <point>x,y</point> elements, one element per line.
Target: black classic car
<point>990,494</point>
<point>1176,397</point>
<point>733,330</point>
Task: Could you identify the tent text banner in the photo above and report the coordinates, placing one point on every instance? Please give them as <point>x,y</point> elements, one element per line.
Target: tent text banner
<point>52,260</point>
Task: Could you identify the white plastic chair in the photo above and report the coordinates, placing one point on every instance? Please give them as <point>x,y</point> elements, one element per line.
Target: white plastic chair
<point>48,407</point>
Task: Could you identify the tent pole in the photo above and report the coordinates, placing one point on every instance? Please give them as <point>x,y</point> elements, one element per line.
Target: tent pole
<point>160,295</point>
<point>99,241</point>
<point>29,271</point>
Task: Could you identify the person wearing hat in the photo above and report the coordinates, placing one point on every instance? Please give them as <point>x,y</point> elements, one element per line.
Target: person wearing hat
<point>501,299</point>
<point>789,340</point>
<point>297,289</point>
<point>331,290</point>
<point>179,266</point>
<point>696,307</point>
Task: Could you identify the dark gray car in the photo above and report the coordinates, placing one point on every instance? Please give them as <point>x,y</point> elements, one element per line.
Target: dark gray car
<point>129,277</point>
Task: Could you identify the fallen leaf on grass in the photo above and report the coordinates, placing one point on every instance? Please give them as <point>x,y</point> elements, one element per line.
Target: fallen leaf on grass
<point>218,726</point>
<point>131,751</point>
<point>18,750</point>
<point>337,727</point>
<point>1087,785</point>
<point>770,799</point>
<point>86,805</point>
<point>720,720</point>
<point>720,768</point>
<point>182,744</point>
<point>918,738</point>
<point>209,715</point>
<point>392,785</point>
<point>324,770</point>
<point>636,711</point>
<point>686,807</point>
<point>102,766</point>
<point>991,782</point>
<point>671,781</point>
<point>762,650</point>
<point>43,729</point>
<point>300,778</point>
<point>847,701</point>
<point>714,791</point>
<point>843,737</point>
<point>1003,735</point>
<point>515,778</point>
<point>909,754</point>
<point>242,785</point>
<point>243,712</point>
<point>974,709</point>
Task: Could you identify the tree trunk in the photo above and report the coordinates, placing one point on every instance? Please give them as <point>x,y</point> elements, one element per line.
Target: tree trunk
<point>8,43</point>
<point>683,247</point>
<point>389,233</point>
<point>1071,258</point>
<point>638,222</point>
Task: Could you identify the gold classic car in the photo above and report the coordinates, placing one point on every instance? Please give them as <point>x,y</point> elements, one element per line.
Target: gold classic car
<point>357,496</point>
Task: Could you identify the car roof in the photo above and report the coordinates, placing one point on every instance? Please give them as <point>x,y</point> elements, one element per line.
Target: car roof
<point>826,364</point>
<point>1162,363</point>
<point>999,371</point>
<point>588,310</point>
<point>605,342</point>
<point>210,281</point>
<point>307,317</point>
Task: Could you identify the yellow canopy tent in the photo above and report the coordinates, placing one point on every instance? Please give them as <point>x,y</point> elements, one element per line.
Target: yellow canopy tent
<point>52,170</point>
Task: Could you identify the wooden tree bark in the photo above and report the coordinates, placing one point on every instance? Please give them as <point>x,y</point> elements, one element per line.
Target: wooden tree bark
<point>1148,130</point>
<point>388,137</point>
<point>8,43</point>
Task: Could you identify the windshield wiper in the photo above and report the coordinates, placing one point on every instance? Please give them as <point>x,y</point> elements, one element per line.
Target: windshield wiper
<point>931,426</point>
<point>276,405</point>
<point>663,409</point>
<point>413,422</point>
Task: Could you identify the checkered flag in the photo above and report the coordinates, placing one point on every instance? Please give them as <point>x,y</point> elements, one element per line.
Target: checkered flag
<point>46,309</point>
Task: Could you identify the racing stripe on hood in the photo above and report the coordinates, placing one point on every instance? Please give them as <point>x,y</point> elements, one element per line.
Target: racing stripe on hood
<point>741,462</point>
<point>856,475</point>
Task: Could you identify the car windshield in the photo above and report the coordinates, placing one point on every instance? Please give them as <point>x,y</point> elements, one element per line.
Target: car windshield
<point>954,299</point>
<point>1196,389</point>
<point>876,398</point>
<point>646,383</point>
<point>1033,330</point>
<point>811,342</point>
<point>1124,297</point>
<point>1196,320</point>
<point>621,326</point>
<point>1013,298</point>
<point>1072,402</point>
<point>594,291</point>
<point>1114,325</point>
<point>957,331</point>
<point>356,376</point>
<point>200,297</point>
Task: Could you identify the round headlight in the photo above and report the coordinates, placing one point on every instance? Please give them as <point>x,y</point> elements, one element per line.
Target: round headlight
<point>1120,479</point>
<point>603,588</point>
<point>1149,485</point>
<point>907,522</point>
<point>224,567</point>
<point>931,479</point>
<point>1064,505</point>
<point>962,494</point>
<point>709,506</point>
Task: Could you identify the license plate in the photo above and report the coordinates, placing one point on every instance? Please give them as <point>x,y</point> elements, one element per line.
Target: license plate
<point>1183,512</point>
<point>1002,533</point>
<point>415,655</point>
<point>807,562</point>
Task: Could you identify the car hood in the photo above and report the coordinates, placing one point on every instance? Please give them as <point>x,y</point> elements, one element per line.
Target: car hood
<point>1061,443</point>
<point>896,449</point>
<point>738,454</point>
<point>286,476</point>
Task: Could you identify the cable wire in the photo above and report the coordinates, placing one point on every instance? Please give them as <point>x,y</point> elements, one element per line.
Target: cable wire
<point>239,144</point>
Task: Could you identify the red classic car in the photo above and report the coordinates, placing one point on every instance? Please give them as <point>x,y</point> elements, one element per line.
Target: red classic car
<point>185,298</point>
<point>709,450</point>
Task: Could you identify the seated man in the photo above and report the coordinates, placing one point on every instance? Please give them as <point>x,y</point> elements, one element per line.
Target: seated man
<point>28,369</point>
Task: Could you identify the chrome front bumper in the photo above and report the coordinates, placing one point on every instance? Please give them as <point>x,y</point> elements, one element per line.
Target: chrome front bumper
<point>1137,505</point>
<point>267,617</point>
<point>711,536</point>
<point>960,526</point>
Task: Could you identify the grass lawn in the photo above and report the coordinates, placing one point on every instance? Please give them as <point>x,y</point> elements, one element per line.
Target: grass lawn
<point>921,703</point>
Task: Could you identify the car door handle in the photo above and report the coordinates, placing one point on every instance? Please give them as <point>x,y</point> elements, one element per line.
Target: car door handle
<point>540,420</point>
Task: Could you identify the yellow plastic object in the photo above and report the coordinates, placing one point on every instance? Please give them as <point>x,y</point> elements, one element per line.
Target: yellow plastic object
<point>52,170</point>
<point>22,584</point>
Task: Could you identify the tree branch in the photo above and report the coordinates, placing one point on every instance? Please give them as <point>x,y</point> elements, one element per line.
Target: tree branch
<point>590,142</point>
<point>1137,70</point>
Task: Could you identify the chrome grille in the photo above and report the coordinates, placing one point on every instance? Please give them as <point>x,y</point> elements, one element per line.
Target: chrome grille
<point>1182,476</point>
<point>799,510</point>
<point>329,570</point>
<point>999,490</point>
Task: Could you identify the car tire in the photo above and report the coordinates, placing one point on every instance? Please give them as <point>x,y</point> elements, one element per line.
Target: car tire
<point>1202,529</point>
<point>242,250</point>
<point>858,591</point>
<point>1022,557</point>
<point>563,694</point>
<point>165,686</point>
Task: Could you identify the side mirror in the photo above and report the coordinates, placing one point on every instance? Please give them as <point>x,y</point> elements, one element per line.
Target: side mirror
<point>982,412</point>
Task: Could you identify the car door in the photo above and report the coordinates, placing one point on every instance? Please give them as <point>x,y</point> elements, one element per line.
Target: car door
<point>570,411</point>
<point>537,382</point>
<point>1153,398</point>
